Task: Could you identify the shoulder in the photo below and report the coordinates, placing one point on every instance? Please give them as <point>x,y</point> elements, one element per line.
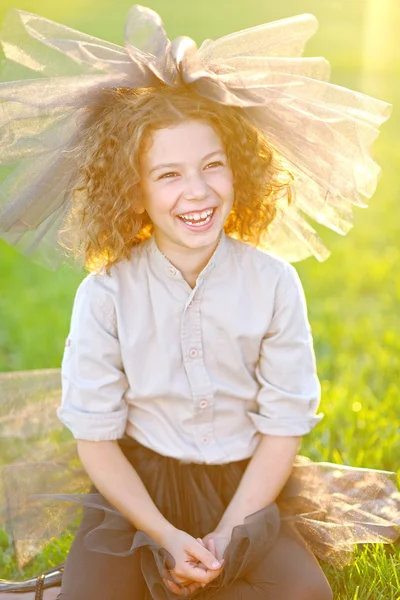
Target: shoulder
<point>101,282</point>
<point>100,292</point>
<point>268,276</point>
<point>266,265</point>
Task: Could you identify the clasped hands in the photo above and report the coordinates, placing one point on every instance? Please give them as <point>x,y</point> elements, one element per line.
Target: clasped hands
<point>197,561</point>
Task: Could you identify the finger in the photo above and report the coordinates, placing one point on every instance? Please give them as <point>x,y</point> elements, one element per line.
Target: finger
<point>205,556</point>
<point>174,588</point>
<point>180,579</point>
<point>219,553</point>
<point>193,587</point>
<point>200,574</point>
<point>172,577</point>
<point>196,564</point>
<point>180,589</point>
<point>201,542</point>
<point>186,590</point>
<point>211,547</point>
<point>212,575</point>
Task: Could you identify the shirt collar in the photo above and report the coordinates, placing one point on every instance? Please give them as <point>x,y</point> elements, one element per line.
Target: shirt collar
<point>162,263</point>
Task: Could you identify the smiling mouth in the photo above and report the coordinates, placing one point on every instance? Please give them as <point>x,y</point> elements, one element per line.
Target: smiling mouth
<point>198,218</point>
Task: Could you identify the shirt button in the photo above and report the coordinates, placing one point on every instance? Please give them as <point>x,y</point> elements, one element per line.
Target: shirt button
<point>193,353</point>
<point>171,271</point>
<point>205,440</point>
<point>203,404</point>
<point>67,342</point>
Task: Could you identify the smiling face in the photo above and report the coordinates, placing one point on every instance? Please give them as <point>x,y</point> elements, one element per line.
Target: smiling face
<point>187,187</point>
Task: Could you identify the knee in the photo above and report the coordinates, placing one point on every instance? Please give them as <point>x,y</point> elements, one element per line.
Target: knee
<point>318,590</point>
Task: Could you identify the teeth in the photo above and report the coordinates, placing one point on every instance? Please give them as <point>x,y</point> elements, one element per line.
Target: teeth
<point>197,216</point>
<point>198,224</point>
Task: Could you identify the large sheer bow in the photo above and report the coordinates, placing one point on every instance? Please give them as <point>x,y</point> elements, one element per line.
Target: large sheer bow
<point>52,73</point>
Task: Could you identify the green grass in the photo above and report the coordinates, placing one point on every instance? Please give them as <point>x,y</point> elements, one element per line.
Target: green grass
<point>353,298</point>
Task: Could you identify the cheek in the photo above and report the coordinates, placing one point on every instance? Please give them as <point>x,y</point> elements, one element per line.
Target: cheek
<point>159,200</point>
<point>225,187</point>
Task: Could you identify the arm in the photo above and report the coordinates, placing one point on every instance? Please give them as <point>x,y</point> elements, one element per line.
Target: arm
<point>287,400</point>
<point>119,483</point>
<point>93,407</point>
<point>263,480</point>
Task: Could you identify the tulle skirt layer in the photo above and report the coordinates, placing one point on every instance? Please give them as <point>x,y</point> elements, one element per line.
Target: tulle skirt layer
<point>43,489</point>
<point>331,507</point>
<point>193,498</point>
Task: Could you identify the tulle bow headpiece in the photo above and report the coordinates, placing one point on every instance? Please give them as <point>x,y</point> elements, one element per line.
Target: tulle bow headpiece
<point>52,73</point>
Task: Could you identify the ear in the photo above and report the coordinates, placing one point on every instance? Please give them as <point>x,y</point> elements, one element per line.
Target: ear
<point>138,207</point>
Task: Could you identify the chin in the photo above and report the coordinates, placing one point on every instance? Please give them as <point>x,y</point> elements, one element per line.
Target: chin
<point>202,241</point>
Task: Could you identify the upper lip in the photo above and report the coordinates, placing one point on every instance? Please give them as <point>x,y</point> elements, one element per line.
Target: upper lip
<point>197,210</point>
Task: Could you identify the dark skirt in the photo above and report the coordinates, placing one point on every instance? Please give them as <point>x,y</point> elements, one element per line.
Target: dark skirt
<point>264,559</point>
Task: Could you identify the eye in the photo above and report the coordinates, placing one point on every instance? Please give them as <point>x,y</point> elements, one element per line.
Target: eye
<point>169,175</point>
<point>216,163</point>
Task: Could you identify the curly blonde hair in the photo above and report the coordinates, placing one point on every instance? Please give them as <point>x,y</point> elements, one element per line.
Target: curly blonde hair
<point>102,225</point>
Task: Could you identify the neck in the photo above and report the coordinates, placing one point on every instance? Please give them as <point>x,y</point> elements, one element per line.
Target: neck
<point>189,261</point>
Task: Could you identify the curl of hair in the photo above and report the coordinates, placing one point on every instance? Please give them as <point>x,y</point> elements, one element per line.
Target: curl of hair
<point>102,224</point>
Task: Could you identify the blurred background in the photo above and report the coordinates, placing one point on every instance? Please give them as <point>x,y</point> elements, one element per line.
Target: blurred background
<point>353,298</point>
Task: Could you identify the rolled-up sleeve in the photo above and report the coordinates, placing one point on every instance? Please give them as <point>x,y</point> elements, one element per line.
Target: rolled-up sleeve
<point>93,379</point>
<point>289,392</point>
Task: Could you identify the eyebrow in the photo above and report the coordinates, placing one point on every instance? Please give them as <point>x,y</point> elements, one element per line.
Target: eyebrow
<point>169,165</point>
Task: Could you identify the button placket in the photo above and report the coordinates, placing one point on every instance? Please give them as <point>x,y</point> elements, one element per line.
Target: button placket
<point>194,364</point>
<point>202,390</point>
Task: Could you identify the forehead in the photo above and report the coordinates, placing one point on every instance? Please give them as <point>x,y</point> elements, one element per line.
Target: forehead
<point>187,141</point>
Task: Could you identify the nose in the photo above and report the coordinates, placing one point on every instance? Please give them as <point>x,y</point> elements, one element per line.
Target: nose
<point>196,187</point>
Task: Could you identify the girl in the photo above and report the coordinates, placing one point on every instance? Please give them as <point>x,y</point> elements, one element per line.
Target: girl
<point>181,342</point>
<point>189,374</point>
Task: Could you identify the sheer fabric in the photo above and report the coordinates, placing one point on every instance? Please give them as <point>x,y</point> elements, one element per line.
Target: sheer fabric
<point>52,74</point>
<point>43,486</point>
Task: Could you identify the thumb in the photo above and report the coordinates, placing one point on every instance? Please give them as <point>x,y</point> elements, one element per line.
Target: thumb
<point>211,547</point>
<point>206,557</point>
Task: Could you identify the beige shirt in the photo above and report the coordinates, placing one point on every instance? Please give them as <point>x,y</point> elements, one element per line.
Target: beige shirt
<point>195,374</point>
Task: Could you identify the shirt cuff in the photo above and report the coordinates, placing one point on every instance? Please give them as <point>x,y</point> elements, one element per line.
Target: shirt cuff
<point>284,427</point>
<point>94,427</point>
